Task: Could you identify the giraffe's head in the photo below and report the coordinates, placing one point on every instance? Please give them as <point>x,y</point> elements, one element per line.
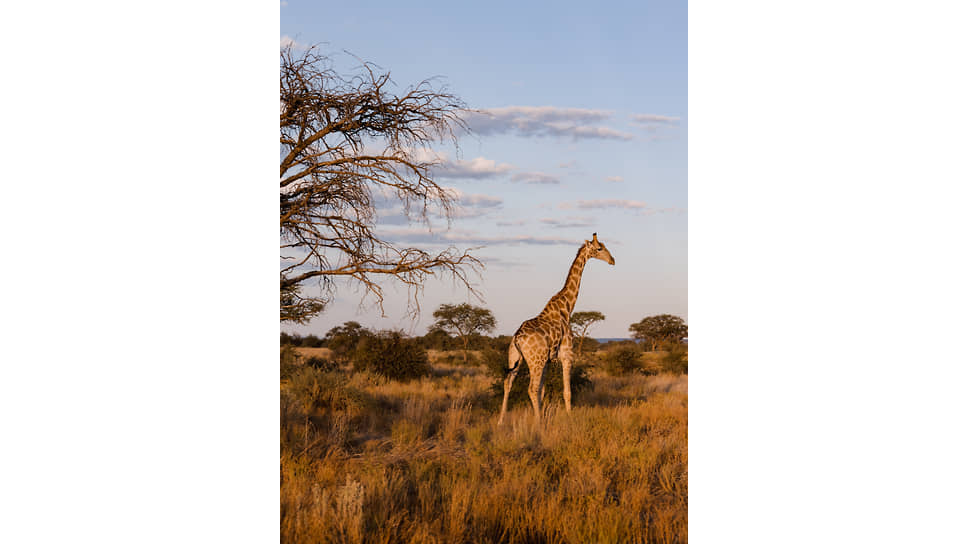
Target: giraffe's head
<point>597,250</point>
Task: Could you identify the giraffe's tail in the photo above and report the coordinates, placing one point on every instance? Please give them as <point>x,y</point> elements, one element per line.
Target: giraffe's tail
<point>515,355</point>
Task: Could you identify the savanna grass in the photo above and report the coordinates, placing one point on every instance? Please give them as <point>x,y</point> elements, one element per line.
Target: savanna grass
<point>424,461</point>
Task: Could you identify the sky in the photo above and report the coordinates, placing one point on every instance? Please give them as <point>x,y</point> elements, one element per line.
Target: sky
<point>585,131</point>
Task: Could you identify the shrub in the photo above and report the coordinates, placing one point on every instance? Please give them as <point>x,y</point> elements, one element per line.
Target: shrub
<point>322,363</point>
<point>392,355</point>
<point>456,358</point>
<point>590,345</point>
<point>344,340</point>
<point>288,361</point>
<point>622,360</point>
<point>496,362</point>
<point>676,360</point>
<point>313,388</point>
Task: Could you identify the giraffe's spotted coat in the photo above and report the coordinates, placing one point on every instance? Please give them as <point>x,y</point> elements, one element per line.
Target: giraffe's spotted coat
<point>540,339</point>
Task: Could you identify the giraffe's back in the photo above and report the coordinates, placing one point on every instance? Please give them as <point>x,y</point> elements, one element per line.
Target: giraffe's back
<point>538,338</point>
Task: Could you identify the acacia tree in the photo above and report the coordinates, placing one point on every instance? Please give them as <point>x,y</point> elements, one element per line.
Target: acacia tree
<point>581,321</point>
<point>660,328</point>
<point>464,320</point>
<point>346,140</point>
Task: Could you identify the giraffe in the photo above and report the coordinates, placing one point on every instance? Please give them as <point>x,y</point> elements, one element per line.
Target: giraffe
<point>540,339</point>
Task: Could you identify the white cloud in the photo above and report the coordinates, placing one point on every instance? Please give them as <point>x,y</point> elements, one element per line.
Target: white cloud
<point>286,41</point>
<point>648,118</point>
<point>471,238</point>
<point>654,211</point>
<point>603,204</point>
<point>511,223</point>
<point>615,179</point>
<point>481,201</point>
<point>531,121</point>
<point>569,222</point>
<point>535,177</point>
<point>476,168</point>
<point>653,123</point>
<point>475,200</point>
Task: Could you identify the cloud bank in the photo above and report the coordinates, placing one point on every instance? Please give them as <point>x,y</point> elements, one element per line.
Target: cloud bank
<point>541,121</point>
<point>417,236</point>
<point>652,122</point>
<point>582,222</point>
<point>477,168</point>
<point>535,177</point>
<point>603,204</point>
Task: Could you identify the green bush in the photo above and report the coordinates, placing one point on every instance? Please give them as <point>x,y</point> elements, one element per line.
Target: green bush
<point>622,360</point>
<point>676,359</point>
<point>392,355</point>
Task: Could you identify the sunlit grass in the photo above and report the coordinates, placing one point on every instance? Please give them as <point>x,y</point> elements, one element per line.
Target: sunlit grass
<point>425,461</point>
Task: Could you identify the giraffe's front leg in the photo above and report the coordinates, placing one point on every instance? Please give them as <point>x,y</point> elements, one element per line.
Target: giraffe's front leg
<point>565,355</point>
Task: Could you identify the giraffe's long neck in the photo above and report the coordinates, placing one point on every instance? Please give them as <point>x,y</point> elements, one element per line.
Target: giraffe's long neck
<point>563,303</point>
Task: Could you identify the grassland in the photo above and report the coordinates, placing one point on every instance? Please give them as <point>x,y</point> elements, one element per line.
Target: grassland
<point>364,459</point>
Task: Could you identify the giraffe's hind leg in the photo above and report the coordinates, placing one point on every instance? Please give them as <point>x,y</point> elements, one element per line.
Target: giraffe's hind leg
<point>515,359</point>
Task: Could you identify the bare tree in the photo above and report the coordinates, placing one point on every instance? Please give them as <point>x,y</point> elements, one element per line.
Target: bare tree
<point>346,141</point>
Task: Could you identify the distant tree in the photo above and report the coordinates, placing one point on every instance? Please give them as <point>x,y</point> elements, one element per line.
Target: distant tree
<point>660,328</point>
<point>286,339</point>
<point>347,141</point>
<point>464,320</point>
<point>342,340</point>
<point>311,341</point>
<point>580,322</point>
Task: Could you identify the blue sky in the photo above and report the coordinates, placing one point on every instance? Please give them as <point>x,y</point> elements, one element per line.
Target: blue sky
<point>586,132</point>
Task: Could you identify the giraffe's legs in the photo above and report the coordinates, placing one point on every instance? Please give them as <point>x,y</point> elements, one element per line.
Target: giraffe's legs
<point>508,382</point>
<point>535,389</point>
<point>565,354</point>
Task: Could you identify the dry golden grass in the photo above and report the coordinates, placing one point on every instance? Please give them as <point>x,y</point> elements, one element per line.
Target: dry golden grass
<point>306,353</point>
<point>424,461</point>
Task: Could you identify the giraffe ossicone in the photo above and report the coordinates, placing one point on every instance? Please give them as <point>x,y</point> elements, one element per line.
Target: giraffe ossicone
<point>538,340</point>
